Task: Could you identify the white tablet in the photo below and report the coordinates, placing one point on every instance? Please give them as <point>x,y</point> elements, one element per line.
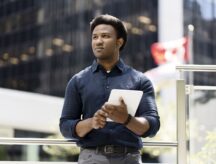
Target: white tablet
<point>131,98</point>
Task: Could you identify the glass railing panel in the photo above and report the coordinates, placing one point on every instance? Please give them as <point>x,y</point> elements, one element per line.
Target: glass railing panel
<point>202,124</point>
<point>159,155</point>
<point>48,153</point>
<point>165,93</point>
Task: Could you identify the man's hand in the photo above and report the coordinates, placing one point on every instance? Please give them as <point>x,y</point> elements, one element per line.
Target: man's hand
<point>99,119</point>
<point>118,113</point>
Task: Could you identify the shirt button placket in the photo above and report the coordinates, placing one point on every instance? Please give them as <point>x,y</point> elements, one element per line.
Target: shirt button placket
<point>107,82</point>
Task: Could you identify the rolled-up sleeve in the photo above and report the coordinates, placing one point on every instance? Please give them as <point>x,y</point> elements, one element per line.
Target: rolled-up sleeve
<point>71,111</point>
<point>148,108</point>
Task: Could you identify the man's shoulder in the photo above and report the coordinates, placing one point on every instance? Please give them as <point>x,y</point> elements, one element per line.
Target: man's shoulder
<point>136,72</point>
<point>139,75</point>
<point>81,74</point>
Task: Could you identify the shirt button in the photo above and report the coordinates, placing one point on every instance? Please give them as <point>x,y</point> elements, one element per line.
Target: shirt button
<point>107,87</point>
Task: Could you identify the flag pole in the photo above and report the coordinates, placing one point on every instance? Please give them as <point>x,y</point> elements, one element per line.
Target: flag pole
<point>191,83</point>
<point>190,51</point>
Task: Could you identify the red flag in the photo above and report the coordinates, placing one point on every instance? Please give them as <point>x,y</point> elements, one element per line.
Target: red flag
<point>173,51</point>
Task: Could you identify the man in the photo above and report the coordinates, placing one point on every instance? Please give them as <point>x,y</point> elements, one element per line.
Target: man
<point>86,110</point>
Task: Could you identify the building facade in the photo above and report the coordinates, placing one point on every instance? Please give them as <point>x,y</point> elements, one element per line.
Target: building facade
<point>43,43</point>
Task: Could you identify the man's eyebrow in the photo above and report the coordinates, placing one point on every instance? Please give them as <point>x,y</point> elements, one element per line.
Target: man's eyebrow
<point>101,33</point>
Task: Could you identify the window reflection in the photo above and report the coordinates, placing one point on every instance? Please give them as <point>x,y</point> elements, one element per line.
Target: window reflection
<point>202,15</point>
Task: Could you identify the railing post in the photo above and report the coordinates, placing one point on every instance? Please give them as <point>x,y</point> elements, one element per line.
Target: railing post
<point>181,123</point>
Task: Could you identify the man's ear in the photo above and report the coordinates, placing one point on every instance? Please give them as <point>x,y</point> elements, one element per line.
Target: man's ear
<point>120,42</point>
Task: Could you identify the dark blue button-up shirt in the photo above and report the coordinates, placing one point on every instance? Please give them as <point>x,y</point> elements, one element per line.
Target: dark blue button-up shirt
<point>89,89</point>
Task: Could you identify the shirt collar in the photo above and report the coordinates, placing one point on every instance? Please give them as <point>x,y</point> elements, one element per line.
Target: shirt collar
<point>120,65</point>
<point>94,66</point>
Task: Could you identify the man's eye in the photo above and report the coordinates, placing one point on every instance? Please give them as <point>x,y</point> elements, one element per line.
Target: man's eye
<point>105,36</point>
<point>94,37</point>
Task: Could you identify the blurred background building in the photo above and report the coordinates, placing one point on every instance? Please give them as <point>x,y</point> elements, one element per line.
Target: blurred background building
<point>43,43</point>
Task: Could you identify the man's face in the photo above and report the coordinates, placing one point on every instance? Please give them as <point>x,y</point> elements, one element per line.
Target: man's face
<point>104,42</point>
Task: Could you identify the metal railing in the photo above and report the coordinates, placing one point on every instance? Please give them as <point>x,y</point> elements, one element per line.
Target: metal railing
<point>196,68</point>
<point>38,141</point>
<point>182,90</point>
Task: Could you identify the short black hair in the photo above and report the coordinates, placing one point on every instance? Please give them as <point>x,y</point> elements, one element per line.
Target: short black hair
<point>113,21</point>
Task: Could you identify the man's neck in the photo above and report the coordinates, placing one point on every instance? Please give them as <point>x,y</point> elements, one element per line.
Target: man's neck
<point>108,64</point>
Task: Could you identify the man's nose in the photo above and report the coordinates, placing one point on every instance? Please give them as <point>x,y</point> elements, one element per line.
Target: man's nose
<point>99,41</point>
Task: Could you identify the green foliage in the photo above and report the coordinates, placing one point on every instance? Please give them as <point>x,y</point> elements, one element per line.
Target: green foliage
<point>207,154</point>
<point>60,150</point>
<point>3,153</point>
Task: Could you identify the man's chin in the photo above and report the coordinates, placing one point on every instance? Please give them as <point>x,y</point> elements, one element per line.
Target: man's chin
<point>101,57</point>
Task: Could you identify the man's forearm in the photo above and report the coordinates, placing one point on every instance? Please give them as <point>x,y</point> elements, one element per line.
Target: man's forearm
<point>138,125</point>
<point>83,127</point>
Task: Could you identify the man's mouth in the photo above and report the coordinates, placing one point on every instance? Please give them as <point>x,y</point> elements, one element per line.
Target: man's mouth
<point>99,48</point>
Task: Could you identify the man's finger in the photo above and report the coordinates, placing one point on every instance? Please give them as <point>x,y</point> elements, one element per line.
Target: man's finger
<point>109,109</point>
<point>122,101</point>
<point>102,124</point>
<point>109,106</point>
<point>104,109</point>
<point>103,113</point>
